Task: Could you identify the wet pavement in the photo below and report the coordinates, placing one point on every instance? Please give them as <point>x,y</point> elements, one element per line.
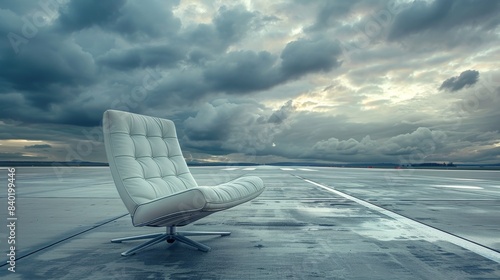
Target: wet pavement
<point>310,223</point>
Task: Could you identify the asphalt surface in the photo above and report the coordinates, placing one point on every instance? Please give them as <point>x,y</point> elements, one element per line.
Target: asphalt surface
<point>310,223</point>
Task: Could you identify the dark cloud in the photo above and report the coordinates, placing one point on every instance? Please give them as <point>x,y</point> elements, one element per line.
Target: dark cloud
<point>131,19</point>
<point>466,78</point>
<point>50,59</point>
<point>246,72</point>
<point>329,13</point>
<point>283,113</point>
<point>228,26</point>
<point>81,14</point>
<point>143,57</point>
<point>58,76</point>
<point>152,21</point>
<point>48,70</point>
<point>212,122</point>
<point>178,89</point>
<point>232,24</point>
<point>242,71</point>
<point>40,146</point>
<point>308,56</point>
<point>422,16</point>
<point>18,7</point>
<point>204,39</point>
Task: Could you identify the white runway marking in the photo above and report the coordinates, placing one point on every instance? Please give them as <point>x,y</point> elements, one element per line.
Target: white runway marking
<point>249,168</point>
<point>458,187</point>
<point>425,229</point>
<point>254,168</point>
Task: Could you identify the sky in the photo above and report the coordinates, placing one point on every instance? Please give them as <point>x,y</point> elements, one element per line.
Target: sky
<point>255,81</point>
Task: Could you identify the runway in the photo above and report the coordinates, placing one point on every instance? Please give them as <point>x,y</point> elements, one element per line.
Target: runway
<point>310,222</point>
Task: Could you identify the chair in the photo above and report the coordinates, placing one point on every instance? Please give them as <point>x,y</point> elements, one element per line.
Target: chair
<point>155,184</point>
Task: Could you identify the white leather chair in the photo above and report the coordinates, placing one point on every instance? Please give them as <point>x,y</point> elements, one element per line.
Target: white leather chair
<point>155,184</point>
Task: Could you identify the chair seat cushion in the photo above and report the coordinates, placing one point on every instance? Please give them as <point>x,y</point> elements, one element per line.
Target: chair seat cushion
<point>232,193</point>
<point>187,206</point>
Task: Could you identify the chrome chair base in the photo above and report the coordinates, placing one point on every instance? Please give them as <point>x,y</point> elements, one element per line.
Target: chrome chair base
<point>170,236</point>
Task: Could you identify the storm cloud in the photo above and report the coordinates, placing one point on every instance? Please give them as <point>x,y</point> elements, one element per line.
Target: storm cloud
<point>442,15</point>
<point>466,78</point>
<point>339,81</point>
<point>39,146</point>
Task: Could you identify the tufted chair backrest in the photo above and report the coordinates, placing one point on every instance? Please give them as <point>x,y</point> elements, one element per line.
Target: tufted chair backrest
<point>144,156</point>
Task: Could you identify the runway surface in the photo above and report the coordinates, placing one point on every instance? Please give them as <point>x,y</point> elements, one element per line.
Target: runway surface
<point>310,223</point>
